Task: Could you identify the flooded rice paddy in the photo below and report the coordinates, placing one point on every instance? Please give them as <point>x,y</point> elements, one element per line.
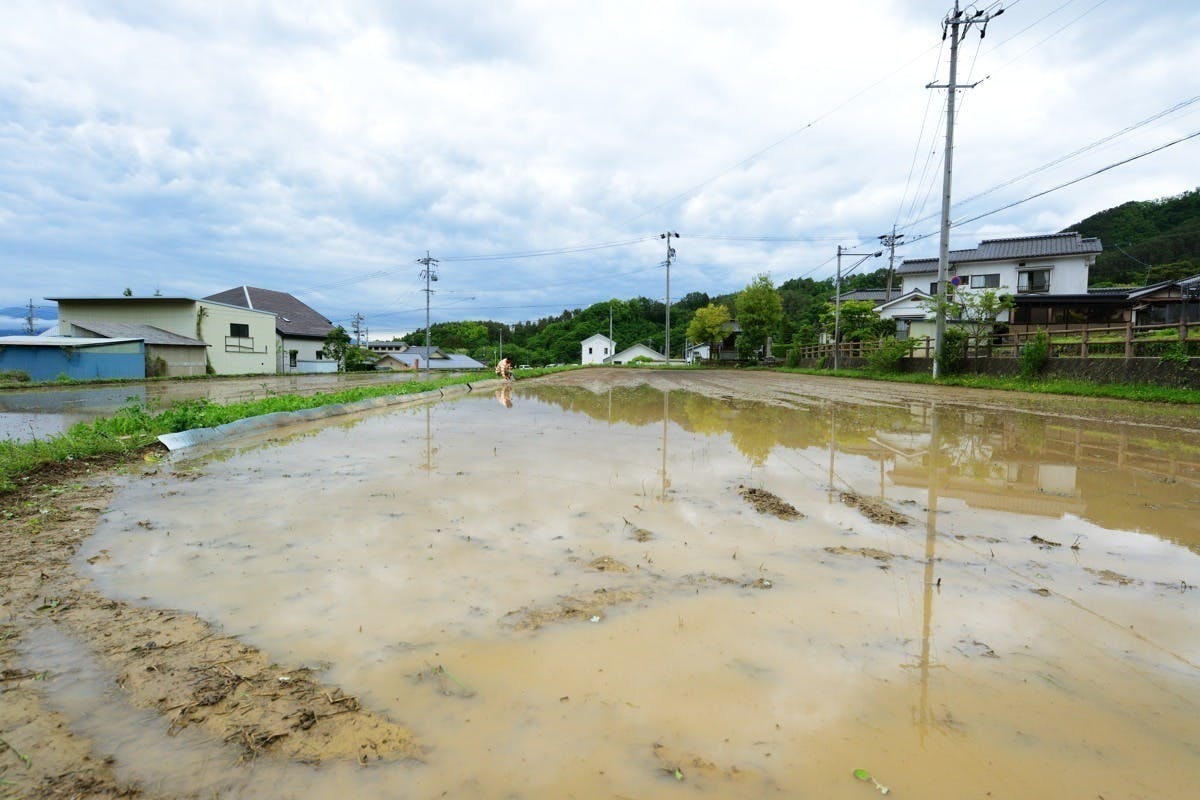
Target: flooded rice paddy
<point>593,587</point>
<point>27,414</point>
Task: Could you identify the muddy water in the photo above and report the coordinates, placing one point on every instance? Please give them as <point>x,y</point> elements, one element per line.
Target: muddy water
<point>569,596</point>
<point>28,414</point>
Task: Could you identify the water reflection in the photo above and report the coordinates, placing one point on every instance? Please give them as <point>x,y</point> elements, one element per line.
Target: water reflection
<point>749,642</point>
<point>1029,463</point>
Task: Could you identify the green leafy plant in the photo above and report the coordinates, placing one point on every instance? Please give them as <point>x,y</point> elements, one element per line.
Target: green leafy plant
<point>1035,354</point>
<point>889,354</point>
<point>1176,355</point>
<point>954,352</point>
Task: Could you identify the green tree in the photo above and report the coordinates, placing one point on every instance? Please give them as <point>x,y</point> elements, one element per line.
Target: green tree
<point>337,344</point>
<point>707,323</point>
<point>973,310</point>
<point>858,323</point>
<point>759,312</point>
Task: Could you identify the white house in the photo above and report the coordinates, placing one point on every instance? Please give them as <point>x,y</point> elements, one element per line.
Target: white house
<point>637,351</point>
<point>300,330</point>
<point>1047,265</point>
<point>697,352</point>
<point>596,349</point>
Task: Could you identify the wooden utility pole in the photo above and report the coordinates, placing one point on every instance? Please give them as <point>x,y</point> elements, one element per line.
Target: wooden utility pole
<point>955,25</point>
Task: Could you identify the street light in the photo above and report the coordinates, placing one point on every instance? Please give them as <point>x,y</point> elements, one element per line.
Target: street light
<point>837,297</point>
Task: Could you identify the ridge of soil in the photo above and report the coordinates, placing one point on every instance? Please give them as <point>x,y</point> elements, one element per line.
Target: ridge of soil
<point>170,662</point>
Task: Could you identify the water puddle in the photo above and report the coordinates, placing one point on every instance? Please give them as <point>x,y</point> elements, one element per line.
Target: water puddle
<point>586,593</point>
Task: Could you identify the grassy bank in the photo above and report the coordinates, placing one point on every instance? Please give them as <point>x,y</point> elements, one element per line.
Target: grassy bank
<point>1064,386</point>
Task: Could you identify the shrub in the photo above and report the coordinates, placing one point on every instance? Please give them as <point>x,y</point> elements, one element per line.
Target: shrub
<point>1034,355</point>
<point>954,352</point>
<point>1177,355</point>
<point>14,376</point>
<point>889,354</point>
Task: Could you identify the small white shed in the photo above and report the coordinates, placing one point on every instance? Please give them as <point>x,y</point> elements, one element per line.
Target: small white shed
<point>596,349</point>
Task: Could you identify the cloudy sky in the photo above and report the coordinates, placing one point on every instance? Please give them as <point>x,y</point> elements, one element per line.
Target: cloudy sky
<point>538,148</point>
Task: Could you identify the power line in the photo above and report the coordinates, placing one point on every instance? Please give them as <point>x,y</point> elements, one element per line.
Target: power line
<point>786,137</point>
<point>1073,154</point>
<point>1077,180</point>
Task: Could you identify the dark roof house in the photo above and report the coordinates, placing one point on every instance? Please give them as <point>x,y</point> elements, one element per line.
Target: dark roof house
<point>293,318</point>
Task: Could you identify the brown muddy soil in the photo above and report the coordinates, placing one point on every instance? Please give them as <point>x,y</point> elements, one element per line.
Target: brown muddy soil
<point>190,675</point>
<point>175,664</point>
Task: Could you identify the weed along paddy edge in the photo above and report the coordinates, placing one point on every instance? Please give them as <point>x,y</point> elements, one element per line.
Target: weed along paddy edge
<point>622,584</point>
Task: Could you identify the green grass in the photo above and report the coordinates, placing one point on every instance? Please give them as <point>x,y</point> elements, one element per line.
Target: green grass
<point>135,427</point>
<point>1064,386</point>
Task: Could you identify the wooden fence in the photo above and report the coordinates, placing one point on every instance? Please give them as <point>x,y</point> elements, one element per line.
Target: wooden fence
<point>1120,341</point>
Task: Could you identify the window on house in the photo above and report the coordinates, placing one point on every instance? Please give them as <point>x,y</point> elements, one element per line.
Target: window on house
<point>1033,280</point>
<point>990,281</point>
<point>589,351</point>
<point>239,330</point>
<point>293,355</point>
<point>933,289</point>
<point>320,354</point>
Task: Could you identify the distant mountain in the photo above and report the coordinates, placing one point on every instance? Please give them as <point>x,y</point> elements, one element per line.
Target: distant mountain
<point>13,319</point>
<point>1146,241</point>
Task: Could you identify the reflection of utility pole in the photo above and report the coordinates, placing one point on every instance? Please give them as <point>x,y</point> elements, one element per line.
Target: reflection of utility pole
<point>832,446</point>
<point>429,273</point>
<point>951,26</point>
<point>670,254</point>
<point>931,502</point>
<point>428,443</point>
<point>666,414</point>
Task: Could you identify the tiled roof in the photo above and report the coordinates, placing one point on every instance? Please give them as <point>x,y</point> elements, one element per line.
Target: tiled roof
<point>134,330</point>
<point>292,317</point>
<point>1021,247</point>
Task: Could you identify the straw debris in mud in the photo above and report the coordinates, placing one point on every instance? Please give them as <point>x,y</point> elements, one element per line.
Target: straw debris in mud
<point>765,502</point>
<point>874,510</point>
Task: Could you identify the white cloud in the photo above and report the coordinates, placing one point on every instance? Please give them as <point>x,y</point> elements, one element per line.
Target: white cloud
<point>197,146</point>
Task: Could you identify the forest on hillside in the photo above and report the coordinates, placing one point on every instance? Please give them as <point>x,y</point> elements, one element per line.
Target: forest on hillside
<point>1144,242</point>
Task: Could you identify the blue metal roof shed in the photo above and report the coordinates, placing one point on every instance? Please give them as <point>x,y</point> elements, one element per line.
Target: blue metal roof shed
<point>46,358</point>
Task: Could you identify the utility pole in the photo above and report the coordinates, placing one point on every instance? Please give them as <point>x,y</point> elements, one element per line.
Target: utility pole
<point>429,273</point>
<point>29,319</point>
<point>956,25</point>
<point>670,254</point>
<point>890,241</point>
<point>611,343</point>
<point>837,297</point>
<point>356,324</point>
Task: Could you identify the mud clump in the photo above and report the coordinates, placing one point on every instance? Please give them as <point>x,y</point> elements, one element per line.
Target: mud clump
<point>765,502</point>
<point>608,564</point>
<point>589,608</point>
<point>1110,577</point>
<point>636,533</point>
<point>683,767</point>
<point>866,552</point>
<point>874,510</point>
